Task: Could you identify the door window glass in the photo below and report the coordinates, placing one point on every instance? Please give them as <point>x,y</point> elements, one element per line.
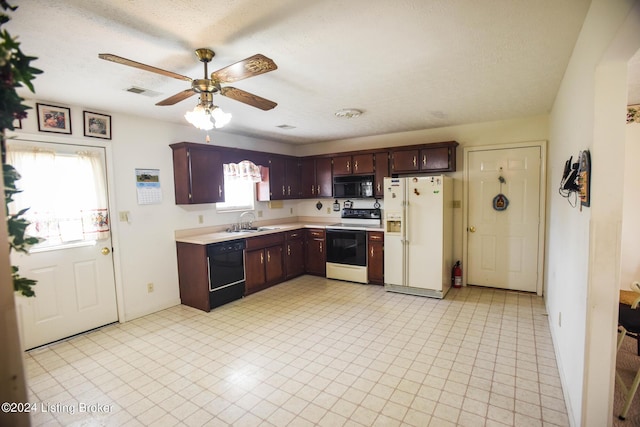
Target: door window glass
<point>64,192</point>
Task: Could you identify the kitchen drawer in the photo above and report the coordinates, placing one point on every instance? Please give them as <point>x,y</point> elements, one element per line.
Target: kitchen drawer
<point>375,236</point>
<point>294,235</point>
<point>315,233</point>
<point>260,242</point>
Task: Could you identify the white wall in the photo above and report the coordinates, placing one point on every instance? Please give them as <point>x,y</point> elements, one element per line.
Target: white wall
<point>583,247</point>
<point>630,243</point>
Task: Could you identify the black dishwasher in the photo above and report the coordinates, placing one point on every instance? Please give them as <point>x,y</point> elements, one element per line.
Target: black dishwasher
<point>226,272</point>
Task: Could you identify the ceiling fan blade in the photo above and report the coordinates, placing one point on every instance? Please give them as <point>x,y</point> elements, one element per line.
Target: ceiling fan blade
<point>252,66</point>
<point>247,98</point>
<point>180,96</point>
<point>125,61</point>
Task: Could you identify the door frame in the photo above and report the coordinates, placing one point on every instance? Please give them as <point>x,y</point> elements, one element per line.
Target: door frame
<point>542,203</point>
<point>115,256</point>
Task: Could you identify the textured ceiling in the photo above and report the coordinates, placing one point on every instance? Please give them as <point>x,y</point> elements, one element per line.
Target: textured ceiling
<point>408,64</point>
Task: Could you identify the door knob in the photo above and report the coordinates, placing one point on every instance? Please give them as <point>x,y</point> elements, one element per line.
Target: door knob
<point>105,251</point>
<point>472,229</point>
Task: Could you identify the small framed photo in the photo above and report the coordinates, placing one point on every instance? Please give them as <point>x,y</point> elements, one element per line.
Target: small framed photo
<point>97,125</point>
<point>53,119</point>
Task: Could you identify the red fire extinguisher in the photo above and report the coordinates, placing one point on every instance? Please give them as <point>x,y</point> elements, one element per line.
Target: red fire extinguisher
<point>456,275</point>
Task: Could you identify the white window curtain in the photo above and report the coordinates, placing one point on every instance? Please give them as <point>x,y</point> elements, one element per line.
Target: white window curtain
<point>239,186</point>
<point>243,171</point>
<point>65,194</point>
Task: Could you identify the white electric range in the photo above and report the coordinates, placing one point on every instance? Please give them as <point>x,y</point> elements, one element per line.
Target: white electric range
<point>347,244</point>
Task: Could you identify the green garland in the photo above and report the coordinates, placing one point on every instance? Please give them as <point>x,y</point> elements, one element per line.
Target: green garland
<point>15,71</point>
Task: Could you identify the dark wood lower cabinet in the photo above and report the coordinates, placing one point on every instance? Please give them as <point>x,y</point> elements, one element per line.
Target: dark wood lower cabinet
<point>315,256</point>
<point>375,257</point>
<point>255,274</point>
<point>294,264</point>
<point>193,275</point>
<point>263,262</point>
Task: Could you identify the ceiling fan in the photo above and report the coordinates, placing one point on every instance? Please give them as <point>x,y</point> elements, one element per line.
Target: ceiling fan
<point>207,87</point>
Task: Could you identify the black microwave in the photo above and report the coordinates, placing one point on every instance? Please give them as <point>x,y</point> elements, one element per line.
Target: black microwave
<point>353,187</point>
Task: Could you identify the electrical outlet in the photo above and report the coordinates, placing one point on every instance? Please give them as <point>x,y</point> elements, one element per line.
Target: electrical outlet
<point>149,287</point>
<point>291,211</point>
<point>259,214</point>
<point>328,210</point>
<point>200,219</point>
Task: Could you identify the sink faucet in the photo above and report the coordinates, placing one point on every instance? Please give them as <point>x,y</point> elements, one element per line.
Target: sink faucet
<point>246,219</point>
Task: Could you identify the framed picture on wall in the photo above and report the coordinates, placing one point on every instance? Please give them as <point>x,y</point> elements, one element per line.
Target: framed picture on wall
<point>97,125</point>
<point>53,119</point>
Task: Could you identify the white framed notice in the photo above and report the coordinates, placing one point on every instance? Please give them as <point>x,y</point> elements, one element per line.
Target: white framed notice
<point>148,186</point>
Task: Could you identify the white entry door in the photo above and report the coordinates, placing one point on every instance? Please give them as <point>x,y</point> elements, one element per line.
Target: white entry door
<point>503,232</point>
<point>75,290</point>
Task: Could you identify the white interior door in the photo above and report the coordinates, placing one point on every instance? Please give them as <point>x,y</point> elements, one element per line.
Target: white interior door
<point>76,285</point>
<point>503,245</point>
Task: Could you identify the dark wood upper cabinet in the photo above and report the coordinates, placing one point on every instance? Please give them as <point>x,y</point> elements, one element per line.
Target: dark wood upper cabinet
<point>362,164</point>
<point>281,181</point>
<point>356,164</point>
<point>429,158</point>
<point>315,177</point>
<point>382,170</point>
<point>405,161</point>
<point>436,159</point>
<point>324,178</point>
<point>197,173</point>
<point>292,178</point>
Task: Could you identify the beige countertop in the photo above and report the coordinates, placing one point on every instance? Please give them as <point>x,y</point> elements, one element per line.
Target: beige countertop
<point>207,237</point>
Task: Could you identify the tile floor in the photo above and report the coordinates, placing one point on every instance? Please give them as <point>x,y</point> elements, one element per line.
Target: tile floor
<point>311,351</point>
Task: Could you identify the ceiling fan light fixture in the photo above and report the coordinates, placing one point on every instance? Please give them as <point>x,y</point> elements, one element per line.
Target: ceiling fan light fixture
<point>348,113</point>
<point>206,116</point>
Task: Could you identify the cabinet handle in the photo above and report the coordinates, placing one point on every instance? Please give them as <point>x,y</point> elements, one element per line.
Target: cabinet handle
<point>318,192</point>
<point>348,165</point>
<point>289,250</point>
<point>414,161</point>
<point>355,165</point>
<point>288,190</point>
<point>424,160</point>
<point>261,257</point>
<point>313,189</point>
<point>219,190</point>
<point>371,251</point>
<point>284,193</point>
<point>378,188</point>
<point>320,247</point>
<point>268,256</point>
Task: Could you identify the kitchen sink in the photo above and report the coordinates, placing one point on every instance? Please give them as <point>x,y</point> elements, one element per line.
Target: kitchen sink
<point>268,228</point>
<point>251,230</point>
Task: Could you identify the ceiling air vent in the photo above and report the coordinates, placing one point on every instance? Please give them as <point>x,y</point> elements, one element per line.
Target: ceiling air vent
<point>141,91</point>
<point>286,127</point>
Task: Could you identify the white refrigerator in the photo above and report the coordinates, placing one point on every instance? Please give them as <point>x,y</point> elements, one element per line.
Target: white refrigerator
<point>418,235</point>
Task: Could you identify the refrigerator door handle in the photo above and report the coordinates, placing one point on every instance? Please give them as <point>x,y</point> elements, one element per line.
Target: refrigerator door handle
<point>405,232</point>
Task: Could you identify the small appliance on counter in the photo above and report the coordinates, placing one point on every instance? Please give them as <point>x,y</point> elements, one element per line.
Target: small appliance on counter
<point>418,235</point>
<point>347,244</point>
